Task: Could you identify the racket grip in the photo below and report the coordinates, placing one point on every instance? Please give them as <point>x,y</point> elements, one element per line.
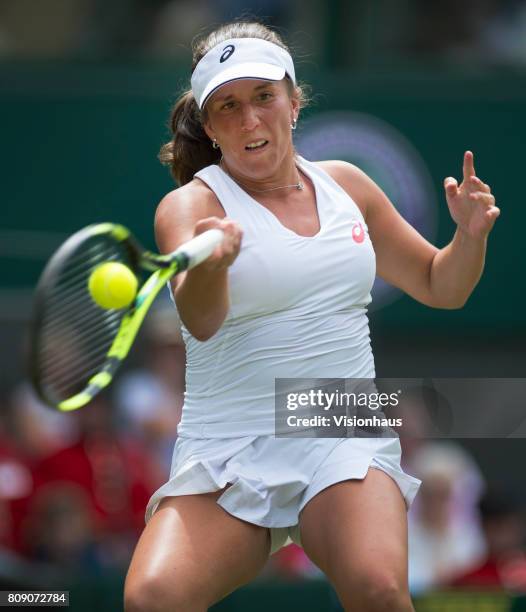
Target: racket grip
<point>201,247</point>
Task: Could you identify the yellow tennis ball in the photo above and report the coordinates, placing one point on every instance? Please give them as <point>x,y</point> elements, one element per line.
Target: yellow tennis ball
<point>112,285</point>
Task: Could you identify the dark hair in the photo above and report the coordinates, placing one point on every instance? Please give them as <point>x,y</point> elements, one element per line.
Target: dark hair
<point>190,149</point>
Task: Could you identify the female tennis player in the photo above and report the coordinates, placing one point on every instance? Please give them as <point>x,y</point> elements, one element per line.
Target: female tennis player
<point>291,303</point>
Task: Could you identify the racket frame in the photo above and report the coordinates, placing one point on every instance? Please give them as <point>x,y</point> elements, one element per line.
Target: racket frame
<point>164,267</point>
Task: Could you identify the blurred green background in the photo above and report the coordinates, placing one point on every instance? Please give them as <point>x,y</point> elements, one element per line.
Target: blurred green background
<point>80,146</point>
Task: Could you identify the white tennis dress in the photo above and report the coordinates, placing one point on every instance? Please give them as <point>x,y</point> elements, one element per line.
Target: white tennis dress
<point>298,310</point>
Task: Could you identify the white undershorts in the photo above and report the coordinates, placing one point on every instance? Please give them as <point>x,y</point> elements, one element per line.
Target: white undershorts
<point>274,478</point>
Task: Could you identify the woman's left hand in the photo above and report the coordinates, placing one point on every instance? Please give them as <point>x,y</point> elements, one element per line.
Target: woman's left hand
<point>471,204</point>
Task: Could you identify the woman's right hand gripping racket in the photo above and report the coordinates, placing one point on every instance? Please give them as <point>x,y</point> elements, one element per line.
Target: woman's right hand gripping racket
<point>81,331</point>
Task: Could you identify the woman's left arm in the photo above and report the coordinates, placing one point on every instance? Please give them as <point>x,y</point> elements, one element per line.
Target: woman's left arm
<point>457,268</point>
<point>441,278</point>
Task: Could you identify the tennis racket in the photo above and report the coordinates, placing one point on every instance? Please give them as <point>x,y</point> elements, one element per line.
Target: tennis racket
<point>77,346</point>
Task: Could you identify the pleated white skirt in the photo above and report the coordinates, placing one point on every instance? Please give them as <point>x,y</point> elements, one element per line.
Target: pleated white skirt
<point>274,478</point>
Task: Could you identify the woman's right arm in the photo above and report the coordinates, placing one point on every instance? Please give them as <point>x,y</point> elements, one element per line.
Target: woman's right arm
<point>201,294</point>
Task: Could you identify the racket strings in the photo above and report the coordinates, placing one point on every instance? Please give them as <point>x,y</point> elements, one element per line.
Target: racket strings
<point>69,373</point>
<point>75,333</point>
<point>75,316</point>
<point>89,258</point>
<point>63,367</point>
<point>55,363</point>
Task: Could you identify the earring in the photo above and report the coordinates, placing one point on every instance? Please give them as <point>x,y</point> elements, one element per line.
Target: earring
<point>294,124</point>
<point>214,144</point>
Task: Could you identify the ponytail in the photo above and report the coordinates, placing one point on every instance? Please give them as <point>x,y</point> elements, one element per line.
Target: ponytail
<point>190,149</point>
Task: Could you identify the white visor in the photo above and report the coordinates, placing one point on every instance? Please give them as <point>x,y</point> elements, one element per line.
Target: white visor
<point>240,58</point>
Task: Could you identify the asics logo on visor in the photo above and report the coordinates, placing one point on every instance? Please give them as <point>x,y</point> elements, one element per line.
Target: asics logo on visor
<point>227,52</point>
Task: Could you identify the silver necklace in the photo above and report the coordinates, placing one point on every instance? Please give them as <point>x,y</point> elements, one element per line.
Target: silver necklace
<point>299,185</point>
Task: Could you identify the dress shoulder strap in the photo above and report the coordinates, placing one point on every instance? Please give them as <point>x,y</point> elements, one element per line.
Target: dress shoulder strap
<point>237,204</point>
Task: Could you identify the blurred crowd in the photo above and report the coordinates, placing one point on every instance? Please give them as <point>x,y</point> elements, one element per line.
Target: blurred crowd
<point>340,33</point>
<point>73,487</point>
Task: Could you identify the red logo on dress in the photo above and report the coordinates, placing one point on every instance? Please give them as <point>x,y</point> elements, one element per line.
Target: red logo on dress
<point>358,233</point>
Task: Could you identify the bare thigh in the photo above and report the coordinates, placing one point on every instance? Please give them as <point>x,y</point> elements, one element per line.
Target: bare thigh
<point>356,532</point>
<point>191,554</point>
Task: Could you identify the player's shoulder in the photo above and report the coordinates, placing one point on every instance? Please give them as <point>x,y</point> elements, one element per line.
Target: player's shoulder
<point>194,200</point>
<point>179,211</point>
<point>350,178</point>
<point>341,171</point>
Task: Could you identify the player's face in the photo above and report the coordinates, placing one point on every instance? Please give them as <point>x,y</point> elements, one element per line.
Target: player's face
<point>251,120</point>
